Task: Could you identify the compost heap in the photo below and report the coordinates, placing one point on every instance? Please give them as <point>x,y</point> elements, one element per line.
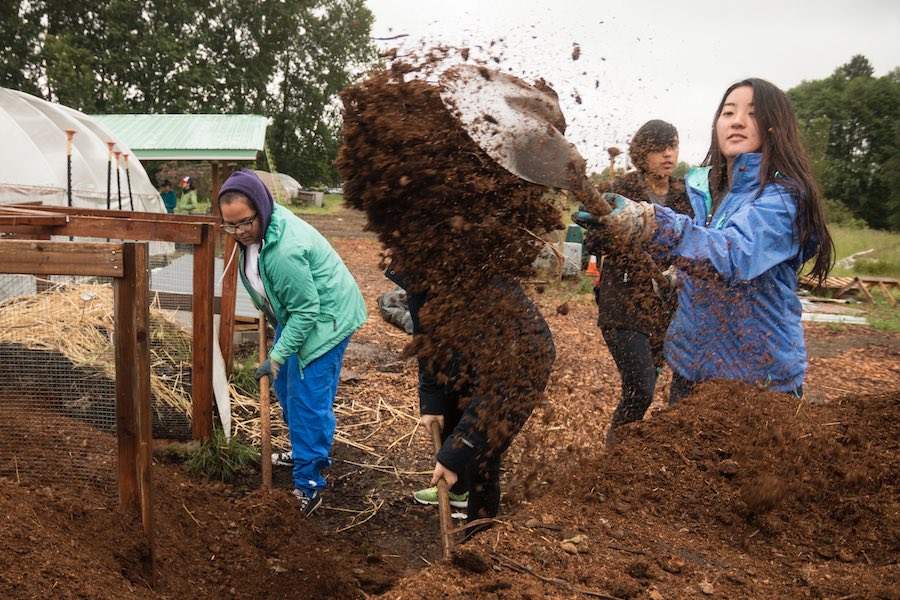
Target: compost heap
<point>459,227</point>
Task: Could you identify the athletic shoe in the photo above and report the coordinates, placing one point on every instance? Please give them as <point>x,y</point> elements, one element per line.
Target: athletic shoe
<point>308,504</point>
<point>430,496</point>
<point>282,459</point>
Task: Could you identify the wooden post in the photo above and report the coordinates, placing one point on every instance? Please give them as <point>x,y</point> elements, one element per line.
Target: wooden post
<point>216,186</point>
<point>229,301</point>
<point>561,262</point>
<point>202,310</point>
<point>70,133</point>
<point>127,426</point>
<point>137,273</point>
<point>229,279</point>
<point>887,293</point>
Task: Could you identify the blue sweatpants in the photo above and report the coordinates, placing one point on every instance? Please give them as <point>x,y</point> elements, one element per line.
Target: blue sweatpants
<point>307,401</point>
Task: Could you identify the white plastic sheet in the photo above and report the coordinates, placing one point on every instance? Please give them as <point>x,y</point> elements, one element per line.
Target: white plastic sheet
<point>33,163</point>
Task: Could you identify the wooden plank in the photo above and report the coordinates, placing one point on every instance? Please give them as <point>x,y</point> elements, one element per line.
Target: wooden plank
<point>887,293</point>
<point>865,290</point>
<point>229,301</point>
<point>127,428</point>
<point>112,228</point>
<point>202,334</point>
<point>124,215</point>
<point>8,222</point>
<point>31,210</point>
<point>39,257</point>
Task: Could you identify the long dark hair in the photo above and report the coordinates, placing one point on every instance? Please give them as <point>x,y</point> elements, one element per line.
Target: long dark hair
<point>784,161</point>
<point>653,136</point>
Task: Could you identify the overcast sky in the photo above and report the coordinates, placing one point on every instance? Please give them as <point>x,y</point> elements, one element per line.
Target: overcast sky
<point>646,59</point>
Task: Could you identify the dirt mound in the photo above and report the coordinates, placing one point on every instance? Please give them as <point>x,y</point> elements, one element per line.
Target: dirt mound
<point>704,498</point>
<point>818,479</point>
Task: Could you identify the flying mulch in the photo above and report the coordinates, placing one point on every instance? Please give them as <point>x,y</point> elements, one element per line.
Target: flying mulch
<point>457,225</point>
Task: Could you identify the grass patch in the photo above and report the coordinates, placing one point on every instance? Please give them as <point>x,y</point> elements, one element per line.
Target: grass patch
<point>220,458</point>
<point>567,288</point>
<point>331,203</point>
<point>884,261</point>
<point>883,316</point>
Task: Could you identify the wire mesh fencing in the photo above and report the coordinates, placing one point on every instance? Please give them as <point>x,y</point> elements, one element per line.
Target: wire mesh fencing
<point>58,377</point>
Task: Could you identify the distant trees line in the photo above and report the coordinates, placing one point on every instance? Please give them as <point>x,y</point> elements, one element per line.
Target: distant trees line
<point>286,59</point>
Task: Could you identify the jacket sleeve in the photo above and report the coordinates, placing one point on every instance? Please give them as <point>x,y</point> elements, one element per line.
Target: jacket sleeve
<point>758,236</point>
<point>293,285</point>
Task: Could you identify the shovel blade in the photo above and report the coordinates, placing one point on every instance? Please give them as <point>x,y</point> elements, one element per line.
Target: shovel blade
<point>518,125</point>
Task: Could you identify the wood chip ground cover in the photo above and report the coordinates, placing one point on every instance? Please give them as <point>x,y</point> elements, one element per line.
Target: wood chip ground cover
<point>732,494</point>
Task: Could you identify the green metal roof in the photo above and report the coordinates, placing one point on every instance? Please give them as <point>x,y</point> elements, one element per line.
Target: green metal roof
<point>188,137</point>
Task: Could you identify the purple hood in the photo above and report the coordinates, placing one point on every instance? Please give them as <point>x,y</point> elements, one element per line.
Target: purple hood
<point>249,184</point>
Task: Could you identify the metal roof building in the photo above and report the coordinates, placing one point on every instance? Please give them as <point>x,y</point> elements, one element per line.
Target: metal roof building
<point>215,138</point>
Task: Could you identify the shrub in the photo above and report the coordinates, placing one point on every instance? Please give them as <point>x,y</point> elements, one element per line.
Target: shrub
<point>221,458</point>
<point>837,213</point>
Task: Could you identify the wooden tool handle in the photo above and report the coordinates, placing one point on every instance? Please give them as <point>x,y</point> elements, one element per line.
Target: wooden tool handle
<point>593,201</point>
<point>443,498</point>
<point>264,424</point>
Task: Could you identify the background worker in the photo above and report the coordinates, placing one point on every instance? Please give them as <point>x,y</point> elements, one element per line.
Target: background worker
<point>633,310</point>
<point>758,218</point>
<point>188,195</point>
<point>168,196</point>
<point>294,275</point>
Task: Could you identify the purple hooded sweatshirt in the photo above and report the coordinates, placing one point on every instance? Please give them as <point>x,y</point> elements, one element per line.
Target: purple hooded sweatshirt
<point>248,183</point>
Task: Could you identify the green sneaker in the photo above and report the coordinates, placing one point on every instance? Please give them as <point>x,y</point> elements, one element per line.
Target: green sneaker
<point>430,496</point>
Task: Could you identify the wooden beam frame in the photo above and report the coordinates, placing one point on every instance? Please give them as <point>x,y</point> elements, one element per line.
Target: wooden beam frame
<point>128,265</point>
<point>198,230</point>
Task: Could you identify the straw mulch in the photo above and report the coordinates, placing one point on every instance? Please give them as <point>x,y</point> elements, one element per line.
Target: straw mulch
<point>76,320</point>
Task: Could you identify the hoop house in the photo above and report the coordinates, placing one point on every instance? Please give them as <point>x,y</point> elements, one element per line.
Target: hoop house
<point>33,161</point>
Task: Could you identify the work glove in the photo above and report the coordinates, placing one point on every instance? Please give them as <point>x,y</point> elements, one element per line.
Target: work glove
<point>584,219</point>
<point>269,367</point>
<point>664,287</point>
<point>629,222</point>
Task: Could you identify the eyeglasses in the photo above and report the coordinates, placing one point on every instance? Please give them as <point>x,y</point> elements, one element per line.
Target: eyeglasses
<point>243,225</point>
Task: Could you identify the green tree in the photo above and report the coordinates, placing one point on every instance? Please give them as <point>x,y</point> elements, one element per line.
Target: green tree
<point>17,36</point>
<point>855,116</point>
<point>286,59</point>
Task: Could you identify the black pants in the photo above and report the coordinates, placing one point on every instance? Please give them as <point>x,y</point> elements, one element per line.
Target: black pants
<point>634,358</point>
<point>481,477</point>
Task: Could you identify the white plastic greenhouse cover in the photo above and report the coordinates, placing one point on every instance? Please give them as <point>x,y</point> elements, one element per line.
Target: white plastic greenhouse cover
<point>33,158</point>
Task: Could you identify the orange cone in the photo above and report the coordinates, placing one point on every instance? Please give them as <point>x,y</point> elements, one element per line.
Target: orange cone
<point>592,266</point>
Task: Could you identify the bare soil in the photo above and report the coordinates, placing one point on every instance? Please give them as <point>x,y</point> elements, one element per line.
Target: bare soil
<point>734,493</point>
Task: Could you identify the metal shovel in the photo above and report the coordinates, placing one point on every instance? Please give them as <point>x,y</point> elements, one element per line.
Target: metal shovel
<point>520,127</point>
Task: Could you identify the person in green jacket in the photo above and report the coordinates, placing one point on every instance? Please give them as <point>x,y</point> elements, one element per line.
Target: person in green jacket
<point>296,278</point>
<point>188,195</point>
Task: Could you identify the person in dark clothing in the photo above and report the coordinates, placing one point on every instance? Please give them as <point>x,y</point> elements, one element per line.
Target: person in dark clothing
<point>479,423</point>
<point>168,196</point>
<point>634,300</point>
